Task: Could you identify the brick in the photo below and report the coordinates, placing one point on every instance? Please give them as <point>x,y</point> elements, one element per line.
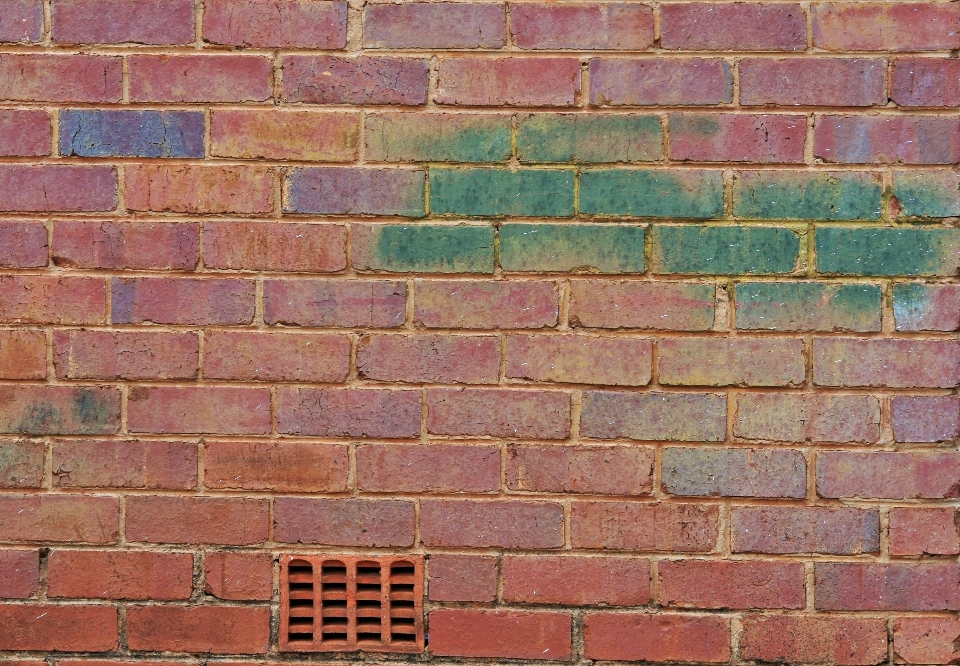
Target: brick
<point>23,244</point>
<point>125,464</point>
<point>607,26</point>
<point>213,629</point>
<point>191,79</point>
<point>429,358</point>
<point>893,363</point>
<point>20,573</point>
<point>24,133</point>
<point>334,303</point>
<point>21,464</point>
<point>131,21</point>
<point>288,247</point>
<point>91,574</point>
<point>888,251</point>
<point>699,26</point>
<point>356,191</point>
<point>213,409</point>
<point>576,581</point>
<point>197,520</point>
<point>80,628</point>
<point>50,299</point>
<point>41,77</point>
<point>584,138</point>
<point>463,577</point>
<point>929,418</point>
<point>926,307</point>
<point>924,531</point>
<point>814,640</point>
<point>925,82</point>
<point>513,524</point>
<point>892,140</point>
<point>182,301</point>
<point>23,355</point>
<point>654,416</point>
<point>486,304</point>
<point>798,195</point>
<point>785,417</point>
<point>507,413</point>
<point>888,475</point>
<point>22,21</point>
<point>239,576</point>
<point>499,192</point>
<point>442,25</point>
<point>285,135</point>
<point>579,359</point>
<point>660,82</point>
<point>886,27</point>
<point>133,245</point>
<point>757,138</point>
<point>925,193</point>
<point>427,468</point>
<point>59,518</point>
<point>595,470</point>
<point>733,585</point>
<point>243,190</point>
<point>344,522</point>
<point>731,362</point>
<point>644,526</point>
<point>925,640</point>
<point>643,305</point>
<point>834,531</point>
<point>602,248</point>
<point>276,356</point>
<point>513,81</point>
<point>808,306</point>
<point>677,193</point>
<point>269,24</point>
<point>725,250</point>
<point>59,410</point>
<point>131,133</point>
<point>737,472</point>
<point>910,587</point>
<point>656,638</point>
<point>348,412</point>
<point>125,355</point>
<point>501,633</point>
<point>326,79</point>
<point>423,248</point>
<point>57,188</point>
<point>276,466</point>
<point>436,137</point>
<point>813,82</point>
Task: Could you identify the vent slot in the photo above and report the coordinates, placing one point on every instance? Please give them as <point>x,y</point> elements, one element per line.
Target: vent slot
<point>403,627</point>
<point>300,609</point>
<point>333,601</point>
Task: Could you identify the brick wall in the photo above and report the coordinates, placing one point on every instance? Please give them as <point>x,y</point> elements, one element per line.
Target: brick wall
<point>639,320</point>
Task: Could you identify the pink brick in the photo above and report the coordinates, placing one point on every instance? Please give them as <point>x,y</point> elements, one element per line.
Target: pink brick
<point>344,522</point>
<point>23,355</point>
<point>500,633</point>
<point>886,475</point>
<point>276,356</point>
<point>891,363</point>
<point>579,359</point>
<point>576,581</point>
<point>660,81</point>
<point>276,23</point>
<point>200,78</point>
<point>505,413</point>
<point>924,531</point>
<point>48,299</point>
<point>929,418</point>
<point>873,587</point>
<point>314,248</point>
<point>741,26</point>
<point>868,26</point>
<point>24,133</point>
<point>656,638</point>
<point>644,526</point>
<point>887,140</point>
<point>598,25</point>
<point>732,362</point>
<point>429,358</point>
<point>441,25</point>
<point>136,21</point>
<point>515,81</point>
<point>125,355</point>
<point>756,138</point>
<point>36,77</point>
<point>89,574</point>
<point>197,520</point>
<point>425,468</point>
<point>922,82</point>
<point>812,82</point>
<point>244,190</point>
<point>222,410</point>
<point>514,523</point>
<point>19,574</point>
<point>357,80</point>
<point>126,245</point>
<point>600,470</point>
<point>182,301</point>
<point>643,305</point>
<point>23,244</point>
<point>925,640</point>
<point>239,576</point>
<point>734,585</point>
<point>285,135</point>
<point>337,303</point>
<point>348,412</point>
<point>463,577</point>
<point>125,464</point>
<point>793,417</point>
<point>485,304</point>
<point>276,466</point>
<point>814,640</point>
<point>57,188</point>
<point>23,20</point>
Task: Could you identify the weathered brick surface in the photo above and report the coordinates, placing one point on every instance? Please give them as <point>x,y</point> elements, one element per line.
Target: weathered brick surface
<point>81,574</point>
<point>736,585</point>
<point>21,464</point>
<point>503,634</point>
<point>24,133</point>
<point>344,522</point>
<point>119,245</point>
<point>21,574</point>
<point>604,470</point>
<point>656,638</point>
<point>443,468</point>
<point>463,577</point>
<point>805,530</point>
<point>507,413</point>
<point>888,475</point>
<point>737,472</point>
<point>699,26</point>
<point>284,24</point>
<point>785,417</point>
<point>908,587</point>
<point>688,417</point>
<point>491,523</point>
<point>575,581</point>
<point>275,356</point>
<point>644,527</point>
<point>280,466</point>
<point>798,639</point>
<point>606,26</point>
<point>924,531</point>
<point>125,464</point>
<point>188,520</point>
<point>212,629</point>
<point>79,627</point>
<point>239,576</point>
<point>919,640</point>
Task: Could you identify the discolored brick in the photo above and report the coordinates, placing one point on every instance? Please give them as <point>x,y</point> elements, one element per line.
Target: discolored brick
<point>662,637</point>
<point>514,524</point>
<point>210,409</point>
<point>514,81</point>
<point>275,466</point>
<point>814,640</point>
<point>926,307</point>
<point>125,464</point>
<point>426,468</point>
<point>441,25</point>
<point>660,81</point>
<point>88,574</point>
<point>486,304</point>
<point>643,305</point>
<point>910,587</point>
<point>196,520</point>
<point>893,363</point>
<point>111,244</point>
<point>734,472</point>
<point>738,362</point>
<point>23,354</point>
<point>603,470</point>
<point>463,577</point>
<point>285,135</point>
<point>276,24</point>
<point>429,358</point>
<point>742,26</point>
<point>607,26</point>
<point>21,464</point>
<point>59,410</point>
<point>733,585</point>
<point>125,355</point>
<point>925,640</point>
<point>644,526</point>
<point>348,412</point>
<point>934,531</point>
<point>579,359</point>
<point>344,522</point>
<point>276,356</point>
<point>328,79</point>
<point>813,82</point>
<point>808,306</point>
<point>931,418</point>
<point>713,137</point>
<point>329,303</point>
<point>785,417</point>
<point>835,531</point>
<point>655,416</point>
<point>888,475</point>
<point>20,571</point>
<point>508,413</point>
<point>576,581</point>
<point>287,247</point>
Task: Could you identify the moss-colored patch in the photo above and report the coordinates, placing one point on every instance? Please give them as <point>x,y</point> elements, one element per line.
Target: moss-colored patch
<point>725,250</point>
<point>690,194</point>
<point>778,195</point>
<point>808,306</point>
<point>566,247</point>
<point>888,251</point>
<point>931,194</point>
<point>569,137</point>
<point>498,192</point>
<point>427,249</point>
<point>415,137</point>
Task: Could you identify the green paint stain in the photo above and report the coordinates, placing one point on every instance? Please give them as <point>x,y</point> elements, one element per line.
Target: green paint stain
<point>931,194</point>
<point>726,250</point>
<point>42,418</point>
<point>498,192</point>
<point>701,125</point>
<point>93,410</point>
<point>430,249</point>
<point>807,196</point>
<point>567,247</point>
<point>652,193</point>
<point>911,305</point>
<point>406,137</point>
<point>808,306</point>
<point>888,251</point>
<point>579,138</point>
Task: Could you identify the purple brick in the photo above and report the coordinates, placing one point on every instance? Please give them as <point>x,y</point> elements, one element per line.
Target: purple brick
<point>928,418</point>
<point>131,133</point>
<point>356,191</point>
<point>697,81</point>
<point>359,80</point>
<point>23,244</point>
<point>21,20</point>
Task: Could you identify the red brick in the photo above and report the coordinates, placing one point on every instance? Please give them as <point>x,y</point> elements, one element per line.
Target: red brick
<point>223,410</point>
<point>24,133</point>
<point>736,585</point>
<point>836,531</point>
<point>276,23</point>
<point>23,22</point>
<point>48,299</point>
<point>41,77</point>
<point>786,417</point>
<point>197,520</point>
<point>812,82</point>
<point>425,468</point>
<point>59,518</point>
<point>732,362</point>
<point>125,355</point>
<point>344,522</point>
<point>814,640</point>
<point>22,244</point>
<point>358,80</point>
<point>239,576</point>
<point>243,190</point>
<point>645,305</point>
<point>276,466</point>
<point>699,26</point>
<point>579,359</point>
<point>21,464</point>
<point>213,629</point>
<point>660,81</point>
<point>91,574</point>
<point>756,138</point>
<point>135,21</point>
<point>500,634</point>
<point>486,304</point>
<point>866,26</point>
<point>644,526</point>
<point>19,574</point>
<point>928,418</point>
<point>491,524</point>
<point>429,358</point>
<point>463,577</point>
<point>515,81</point>
<point>576,581</point>
<point>925,640</point>
<point>911,587</point>
<point>337,303</point>
<point>348,412</point>
<point>594,470</point>
<point>881,474</point>
<point>182,301</point>
<point>441,25</point>
<point>315,248</point>
<point>924,531</point>
<point>77,628</point>
<point>189,79</point>
<point>683,417</point>
<point>53,188</point>
<point>276,356</point>
<point>499,413</point>
<point>125,464</point>
<point>893,363</point>
<point>127,244</point>
<point>285,135</point>
<point>887,140</point>
<point>59,410</point>
<point>599,25</point>
<point>661,637</point>
<point>23,355</point>
<point>920,82</point>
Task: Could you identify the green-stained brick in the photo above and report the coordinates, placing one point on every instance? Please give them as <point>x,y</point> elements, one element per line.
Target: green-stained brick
<point>602,248</point>
<point>725,250</point>
<point>800,195</point>
<point>423,248</point>
<point>808,306</point>
<point>888,251</point>
<point>927,193</point>
<point>499,192</point>
<point>575,137</point>
<point>437,137</point>
<point>687,193</point>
